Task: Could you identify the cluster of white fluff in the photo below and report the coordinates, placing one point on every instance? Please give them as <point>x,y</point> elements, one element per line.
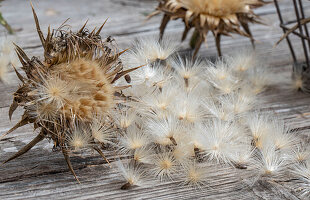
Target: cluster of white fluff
<point>7,56</point>
<point>185,113</point>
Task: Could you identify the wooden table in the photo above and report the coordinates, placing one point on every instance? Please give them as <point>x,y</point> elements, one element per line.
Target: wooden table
<point>43,174</point>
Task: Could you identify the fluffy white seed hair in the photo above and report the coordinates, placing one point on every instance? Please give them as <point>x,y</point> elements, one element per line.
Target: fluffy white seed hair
<point>144,155</point>
<point>163,130</point>
<point>194,174</point>
<point>102,131</point>
<point>54,90</point>
<point>197,87</point>
<point>162,78</point>
<point>221,139</point>
<point>241,61</point>
<point>259,127</point>
<point>4,63</point>
<point>45,111</point>
<point>134,138</point>
<point>144,75</point>
<point>217,110</point>
<point>299,154</point>
<point>7,57</point>
<point>160,100</point>
<point>258,78</point>
<point>191,111</point>
<point>164,165</point>
<point>188,108</point>
<point>298,80</point>
<point>281,136</point>
<point>236,103</point>
<point>148,50</point>
<point>184,150</point>
<point>187,68</point>
<point>221,77</point>
<point>242,156</point>
<point>136,92</point>
<point>132,173</point>
<point>302,172</point>
<point>197,136</point>
<point>219,71</point>
<point>126,118</point>
<point>79,138</point>
<point>271,162</point>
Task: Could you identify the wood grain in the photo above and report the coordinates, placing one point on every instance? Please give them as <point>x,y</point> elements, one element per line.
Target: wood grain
<point>43,174</point>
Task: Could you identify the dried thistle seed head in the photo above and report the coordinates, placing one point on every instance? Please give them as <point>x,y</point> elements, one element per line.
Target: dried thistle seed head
<point>64,94</point>
<point>221,17</point>
<point>92,92</point>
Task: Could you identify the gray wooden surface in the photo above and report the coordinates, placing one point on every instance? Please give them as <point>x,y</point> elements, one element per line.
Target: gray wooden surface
<point>43,174</point>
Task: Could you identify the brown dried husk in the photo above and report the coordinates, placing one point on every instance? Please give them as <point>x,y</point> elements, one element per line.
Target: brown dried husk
<point>220,21</point>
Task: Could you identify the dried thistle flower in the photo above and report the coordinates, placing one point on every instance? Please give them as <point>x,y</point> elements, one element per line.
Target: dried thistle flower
<point>219,17</point>
<point>64,94</point>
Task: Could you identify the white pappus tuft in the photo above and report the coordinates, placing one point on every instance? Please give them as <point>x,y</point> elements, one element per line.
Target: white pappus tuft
<point>133,139</point>
<point>132,173</point>
<point>164,131</point>
<point>164,165</point>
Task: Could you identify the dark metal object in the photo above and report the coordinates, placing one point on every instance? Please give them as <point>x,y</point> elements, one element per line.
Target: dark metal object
<point>302,32</point>
<point>301,68</point>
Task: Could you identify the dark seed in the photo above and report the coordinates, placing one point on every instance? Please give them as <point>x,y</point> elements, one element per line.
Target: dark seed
<point>126,186</point>
<point>127,78</point>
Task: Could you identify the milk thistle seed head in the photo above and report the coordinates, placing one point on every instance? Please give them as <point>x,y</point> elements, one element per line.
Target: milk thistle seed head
<point>62,94</point>
<point>220,17</point>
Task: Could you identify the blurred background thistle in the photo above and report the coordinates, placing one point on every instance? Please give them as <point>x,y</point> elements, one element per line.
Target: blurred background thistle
<point>4,23</point>
<point>219,17</point>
